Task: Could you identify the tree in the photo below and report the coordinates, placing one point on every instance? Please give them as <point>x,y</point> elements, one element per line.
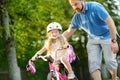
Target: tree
<point>14,72</point>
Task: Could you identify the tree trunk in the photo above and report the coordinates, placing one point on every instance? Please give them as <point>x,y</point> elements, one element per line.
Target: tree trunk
<point>14,71</point>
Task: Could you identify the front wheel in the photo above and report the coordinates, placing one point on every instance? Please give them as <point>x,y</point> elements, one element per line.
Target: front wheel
<point>50,76</point>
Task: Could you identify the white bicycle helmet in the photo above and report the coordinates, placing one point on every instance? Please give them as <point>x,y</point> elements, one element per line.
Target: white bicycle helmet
<point>54,25</point>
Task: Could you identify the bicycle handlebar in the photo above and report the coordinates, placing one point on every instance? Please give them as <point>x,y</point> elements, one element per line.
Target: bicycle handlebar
<point>45,57</point>
<point>42,57</point>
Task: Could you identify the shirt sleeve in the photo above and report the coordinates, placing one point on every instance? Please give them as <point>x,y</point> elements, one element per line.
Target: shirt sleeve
<point>74,22</point>
<point>101,11</point>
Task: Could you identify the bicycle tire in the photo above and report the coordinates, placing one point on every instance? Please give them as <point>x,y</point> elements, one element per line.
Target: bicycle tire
<point>50,76</point>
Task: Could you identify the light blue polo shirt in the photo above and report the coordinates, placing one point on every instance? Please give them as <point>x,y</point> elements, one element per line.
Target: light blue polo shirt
<point>92,21</point>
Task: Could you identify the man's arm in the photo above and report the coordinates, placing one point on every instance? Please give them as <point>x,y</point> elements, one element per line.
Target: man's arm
<point>111,26</point>
<point>68,33</point>
<point>112,29</point>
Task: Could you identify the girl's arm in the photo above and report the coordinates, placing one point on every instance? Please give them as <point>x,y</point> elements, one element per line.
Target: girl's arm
<point>42,50</point>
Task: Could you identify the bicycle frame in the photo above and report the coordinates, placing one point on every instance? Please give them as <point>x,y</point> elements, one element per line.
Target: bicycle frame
<point>57,74</point>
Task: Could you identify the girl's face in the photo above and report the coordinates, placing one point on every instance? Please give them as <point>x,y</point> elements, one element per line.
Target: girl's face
<point>54,33</point>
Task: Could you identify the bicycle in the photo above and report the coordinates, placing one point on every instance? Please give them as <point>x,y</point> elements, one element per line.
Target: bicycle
<point>54,74</point>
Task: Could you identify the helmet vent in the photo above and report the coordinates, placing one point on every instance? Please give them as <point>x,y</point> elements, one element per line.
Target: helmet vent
<point>54,25</point>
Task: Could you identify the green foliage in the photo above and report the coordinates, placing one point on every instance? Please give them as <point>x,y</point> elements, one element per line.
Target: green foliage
<point>28,21</point>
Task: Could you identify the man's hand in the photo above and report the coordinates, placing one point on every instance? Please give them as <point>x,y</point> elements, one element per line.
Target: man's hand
<point>114,47</point>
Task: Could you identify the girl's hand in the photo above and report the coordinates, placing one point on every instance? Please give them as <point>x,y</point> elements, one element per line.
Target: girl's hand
<point>35,57</point>
<point>66,46</point>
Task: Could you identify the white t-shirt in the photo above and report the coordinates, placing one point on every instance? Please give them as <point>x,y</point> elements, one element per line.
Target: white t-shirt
<point>55,53</point>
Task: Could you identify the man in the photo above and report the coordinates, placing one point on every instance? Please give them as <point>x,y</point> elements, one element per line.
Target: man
<point>102,35</point>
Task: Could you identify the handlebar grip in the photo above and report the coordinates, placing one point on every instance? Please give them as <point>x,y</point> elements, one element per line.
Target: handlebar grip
<point>38,56</point>
<point>31,67</point>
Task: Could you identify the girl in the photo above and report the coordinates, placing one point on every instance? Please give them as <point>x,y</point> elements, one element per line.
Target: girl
<point>57,47</point>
